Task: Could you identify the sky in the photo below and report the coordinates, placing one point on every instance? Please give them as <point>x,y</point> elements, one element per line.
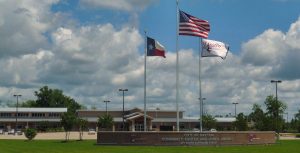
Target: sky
<point>91,48</point>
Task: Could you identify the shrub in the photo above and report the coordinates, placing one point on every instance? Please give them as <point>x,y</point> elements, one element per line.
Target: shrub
<point>30,133</point>
<point>105,122</point>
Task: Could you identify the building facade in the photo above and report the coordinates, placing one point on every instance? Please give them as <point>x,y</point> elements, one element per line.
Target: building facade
<point>13,118</point>
<point>157,120</point>
<point>129,120</point>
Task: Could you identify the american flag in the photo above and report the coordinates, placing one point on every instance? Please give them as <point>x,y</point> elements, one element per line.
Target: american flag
<point>190,25</point>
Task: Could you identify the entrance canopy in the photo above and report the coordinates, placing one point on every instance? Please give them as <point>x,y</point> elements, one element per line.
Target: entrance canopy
<point>136,120</point>
<point>137,116</point>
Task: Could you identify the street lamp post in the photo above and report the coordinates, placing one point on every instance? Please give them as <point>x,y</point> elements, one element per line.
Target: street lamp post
<point>277,109</point>
<point>17,95</point>
<point>157,109</point>
<point>106,101</point>
<point>201,113</point>
<point>287,119</point>
<point>123,124</point>
<point>203,110</point>
<point>235,103</point>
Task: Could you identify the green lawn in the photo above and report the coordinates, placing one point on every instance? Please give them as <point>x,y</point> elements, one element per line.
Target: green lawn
<point>88,146</point>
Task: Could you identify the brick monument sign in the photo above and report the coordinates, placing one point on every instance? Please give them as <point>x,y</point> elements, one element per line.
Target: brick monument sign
<point>185,138</point>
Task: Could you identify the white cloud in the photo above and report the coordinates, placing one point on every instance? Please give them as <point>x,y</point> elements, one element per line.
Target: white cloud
<point>22,26</point>
<point>276,55</point>
<point>293,35</point>
<point>276,49</point>
<point>90,63</point>
<point>119,80</point>
<point>22,71</point>
<point>124,5</point>
<point>265,49</point>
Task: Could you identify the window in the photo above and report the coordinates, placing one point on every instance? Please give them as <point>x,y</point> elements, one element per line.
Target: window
<point>5,115</point>
<point>54,115</point>
<point>22,114</point>
<point>38,114</point>
<point>139,127</point>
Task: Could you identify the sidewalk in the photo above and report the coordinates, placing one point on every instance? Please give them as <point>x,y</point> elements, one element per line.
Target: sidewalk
<point>87,136</point>
<point>288,136</point>
<point>52,136</point>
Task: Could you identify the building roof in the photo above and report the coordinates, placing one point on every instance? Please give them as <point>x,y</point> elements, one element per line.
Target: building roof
<point>225,119</point>
<point>174,120</point>
<point>30,119</point>
<point>219,119</point>
<point>34,110</point>
<point>95,119</point>
<point>118,110</point>
<point>135,115</point>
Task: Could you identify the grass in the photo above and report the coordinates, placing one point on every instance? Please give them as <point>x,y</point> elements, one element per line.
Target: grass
<point>88,146</point>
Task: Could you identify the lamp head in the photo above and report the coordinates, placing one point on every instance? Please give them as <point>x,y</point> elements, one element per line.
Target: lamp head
<point>274,81</point>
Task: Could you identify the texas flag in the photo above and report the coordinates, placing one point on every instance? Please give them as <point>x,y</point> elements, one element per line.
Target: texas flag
<point>154,48</point>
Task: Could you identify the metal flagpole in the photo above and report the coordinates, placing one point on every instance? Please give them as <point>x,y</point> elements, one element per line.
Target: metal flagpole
<point>145,110</point>
<point>177,67</point>
<point>200,94</point>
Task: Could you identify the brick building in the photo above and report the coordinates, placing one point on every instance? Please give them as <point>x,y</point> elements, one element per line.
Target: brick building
<point>29,117</point>
<point>157,120</point>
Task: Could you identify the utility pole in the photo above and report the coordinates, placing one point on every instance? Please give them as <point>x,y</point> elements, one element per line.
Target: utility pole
<point>17,95</point>
<point>106,101</point>
<point>235,103</point>
<point>123,124</point>
<point>277,109</point>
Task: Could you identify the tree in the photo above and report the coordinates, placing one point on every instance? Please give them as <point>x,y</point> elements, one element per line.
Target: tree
<point>270,120</point>
<point>241,122</point>
<point>275,109</point>
<point>105,122</point>
<point>209,121</point>
<point>262,121</point>
<point>296,122</point>
<point>30,133</point>
<point>43,126</point>
<point>47,97</point>
<point>68,120</point>
<point>82,125</point>
<point>257,116</point>
<point>28,103</point>
<point>297,115</point>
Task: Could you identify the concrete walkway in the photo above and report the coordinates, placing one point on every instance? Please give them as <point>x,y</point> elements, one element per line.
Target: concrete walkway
<point>90,136</point>
<point>52,136</point>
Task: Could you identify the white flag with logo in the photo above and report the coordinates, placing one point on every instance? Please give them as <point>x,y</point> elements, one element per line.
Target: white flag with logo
<point>212,48</point>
